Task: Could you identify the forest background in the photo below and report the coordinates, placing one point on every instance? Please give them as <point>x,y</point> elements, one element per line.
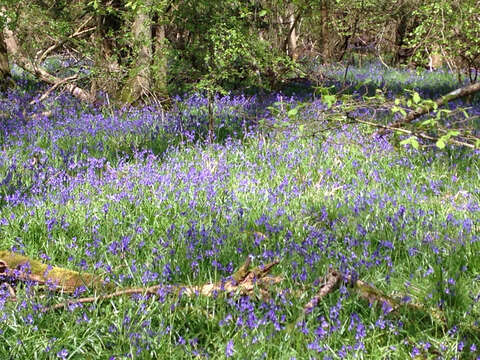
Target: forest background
<point>239,179</point>
<point>136,50</point>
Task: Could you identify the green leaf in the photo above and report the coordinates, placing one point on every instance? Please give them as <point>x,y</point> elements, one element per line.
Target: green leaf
<point>292,112</point>
<point>262,13</point>
<point>453,133</point>
<point>416,98</point>
<point>440,143</point>
<point>429,122</point>
<point>411,141</point>
<point>329,100</point>
<point>396,109</point>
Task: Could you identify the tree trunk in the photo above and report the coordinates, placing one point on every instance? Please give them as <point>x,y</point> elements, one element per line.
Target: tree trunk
<point>324,42</point>
<point>5,76</point>
<point>292,34</point>
<point>106,56</point>
<point>400,32</point>
<point>138,84</point>
<point>159,66</point>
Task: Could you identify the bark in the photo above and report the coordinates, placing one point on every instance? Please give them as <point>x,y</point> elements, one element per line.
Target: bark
<point>106,25</point>
<point>138,84</point>
<point>347,38</point>
<point>245,281</point>
<point>400,32</point>
<point>292,34</point>
<point>159,67</point>
<point>435,59</point>
<point>5,76</point>
<point>106,59</point>
<point>456,94</point>
<point>324,42</point>
<point>19,267</point>
<point>330,283</point>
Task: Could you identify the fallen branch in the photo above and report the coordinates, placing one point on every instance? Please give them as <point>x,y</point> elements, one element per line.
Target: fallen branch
<point>243,281</point>
<point>52,88</point>
<point>153,290</point>
<point>39,71</point>
<point>456,94</point>
<point>330,283</point>
<point>369,293</point>
<point>410,132</point>
<point>47,113</point>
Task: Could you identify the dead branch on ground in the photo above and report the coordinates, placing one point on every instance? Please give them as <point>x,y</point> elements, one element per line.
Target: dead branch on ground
<point>245,281</point>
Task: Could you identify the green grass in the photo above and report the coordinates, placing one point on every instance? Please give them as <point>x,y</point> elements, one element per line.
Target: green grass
<point>405,221</point>
<point>199,318</point>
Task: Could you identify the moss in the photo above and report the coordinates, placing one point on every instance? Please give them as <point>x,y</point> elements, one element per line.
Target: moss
<point>67,280</point>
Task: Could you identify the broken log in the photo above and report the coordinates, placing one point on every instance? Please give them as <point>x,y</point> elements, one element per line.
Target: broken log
<point>18,267</point>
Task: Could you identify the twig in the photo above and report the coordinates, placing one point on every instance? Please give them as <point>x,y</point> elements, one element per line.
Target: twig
<point>150,291</point>
<point>52,88</point>
<point>329,284</point>
<point>77,33</point>
<point>419,111</point>
<point>409,132</point>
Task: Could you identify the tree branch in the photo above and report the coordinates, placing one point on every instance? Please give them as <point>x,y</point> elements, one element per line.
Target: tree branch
<point>456,94</point>
<point>39,71</point>
<point>77,33</point>
<point>244,281</point>
<point>409,132</point>
<point>53,87</point>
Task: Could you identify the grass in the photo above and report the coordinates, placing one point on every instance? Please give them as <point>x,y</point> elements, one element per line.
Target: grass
<point>140,203</point>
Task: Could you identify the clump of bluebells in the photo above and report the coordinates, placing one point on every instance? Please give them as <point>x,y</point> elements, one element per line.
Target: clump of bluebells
<point>141,197</point>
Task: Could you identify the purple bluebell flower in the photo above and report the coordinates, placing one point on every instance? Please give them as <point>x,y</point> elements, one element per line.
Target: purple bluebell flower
<point>62,354</point>
<point>229,349</point>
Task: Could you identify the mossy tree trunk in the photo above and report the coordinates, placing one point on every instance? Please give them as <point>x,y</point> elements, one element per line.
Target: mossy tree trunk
<point>138,84</point>
<point>159,63</point>
<point>5,76</point>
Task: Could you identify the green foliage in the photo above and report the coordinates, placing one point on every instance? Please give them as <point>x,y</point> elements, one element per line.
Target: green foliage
<point>358,223</point>
<point>223,52</point>
<point>451,28</point>
<point>412,140</point>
